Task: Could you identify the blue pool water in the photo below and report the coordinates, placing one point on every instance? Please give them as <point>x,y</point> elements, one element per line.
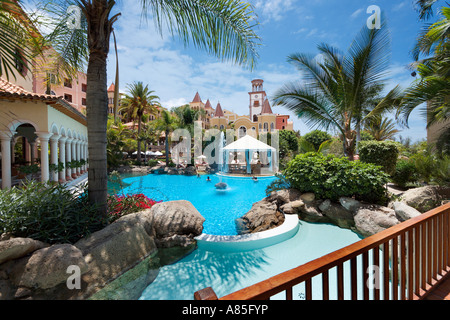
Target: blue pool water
<point>219,208</point>
<point>227,272</point>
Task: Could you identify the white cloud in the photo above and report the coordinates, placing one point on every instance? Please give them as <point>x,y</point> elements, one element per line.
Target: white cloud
<point>274,9</point>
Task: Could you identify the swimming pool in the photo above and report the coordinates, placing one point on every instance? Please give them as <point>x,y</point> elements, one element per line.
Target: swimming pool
<point>227,272</point>
<point>219,208</point>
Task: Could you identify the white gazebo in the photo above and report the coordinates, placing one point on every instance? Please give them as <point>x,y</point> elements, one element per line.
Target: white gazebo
<point>247,155</point>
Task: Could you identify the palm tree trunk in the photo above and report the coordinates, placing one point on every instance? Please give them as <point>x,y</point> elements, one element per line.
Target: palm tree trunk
<point>97,118</point>
<point>99,32</point>
<point>139,140</point>
<point>167,147</point>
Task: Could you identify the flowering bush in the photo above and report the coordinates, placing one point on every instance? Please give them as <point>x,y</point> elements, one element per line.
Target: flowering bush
<point>119,206</point>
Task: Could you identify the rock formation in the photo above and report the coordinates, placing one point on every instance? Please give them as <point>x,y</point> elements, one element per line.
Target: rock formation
<point>118,262</point>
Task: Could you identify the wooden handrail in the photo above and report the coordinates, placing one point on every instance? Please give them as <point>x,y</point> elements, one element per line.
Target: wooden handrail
<point>423,260</point>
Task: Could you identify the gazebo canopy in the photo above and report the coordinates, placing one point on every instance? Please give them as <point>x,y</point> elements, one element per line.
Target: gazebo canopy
<point>248,143</point>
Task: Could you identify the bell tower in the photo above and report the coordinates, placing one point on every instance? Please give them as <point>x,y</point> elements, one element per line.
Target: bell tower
<point>257,98</point>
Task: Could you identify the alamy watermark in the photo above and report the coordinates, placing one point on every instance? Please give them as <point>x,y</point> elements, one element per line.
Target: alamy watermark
<point>374,21</point>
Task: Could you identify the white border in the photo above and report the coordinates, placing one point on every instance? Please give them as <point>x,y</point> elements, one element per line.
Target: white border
<point>250,241</point>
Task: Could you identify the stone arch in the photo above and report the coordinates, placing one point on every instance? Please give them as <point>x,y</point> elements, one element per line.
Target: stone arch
<point>19,122</point>
<point>63,132</point>
<point>54,129</point>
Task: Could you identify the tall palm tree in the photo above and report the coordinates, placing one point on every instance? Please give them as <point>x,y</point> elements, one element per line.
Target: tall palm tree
<point>224,28</point>
<point>166,123</point>
<point>341,92</point>
<point>432,89</point>
<point>140,100</point>
<point>381,128</point>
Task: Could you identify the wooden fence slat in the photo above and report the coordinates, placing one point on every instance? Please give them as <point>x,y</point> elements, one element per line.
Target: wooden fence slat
<point>395,270</point>
<point>386,271</point>
<point>340,281</point>
<point>325,286</point>
<point>376,275</point>
<point>365,266</point>
<point>308,289</point>
<point>403,266</point>
<point>354,278</point>
<point>410,264</point>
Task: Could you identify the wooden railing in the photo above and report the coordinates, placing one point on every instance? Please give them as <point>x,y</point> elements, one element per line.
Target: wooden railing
<point>400,263</point>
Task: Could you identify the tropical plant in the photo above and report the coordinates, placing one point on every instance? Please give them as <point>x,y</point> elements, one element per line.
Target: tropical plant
<point>381,128</point>
<point>117,135</point>
<point>140,100</point>
<point>380,153</point>
<point>224,28</point>
<point>405,172</point>
<point>431,91</point>
<point>48,213</point>
<point>340,91</point>
<point>166,123</point>
<point>330,177</point>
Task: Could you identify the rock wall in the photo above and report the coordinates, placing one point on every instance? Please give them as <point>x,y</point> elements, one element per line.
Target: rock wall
<point>118,262</point>
<point>364,218</point>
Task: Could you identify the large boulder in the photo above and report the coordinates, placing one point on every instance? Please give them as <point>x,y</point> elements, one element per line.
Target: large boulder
<point>18,247</point>
<point>404,212</point>
<point>310,212</point>
<point>424,199</point>
<point>47,268</point>
<point>338,214</point>
<point>284,196</point>
<point>264,215</point>
<point>176,223</point>
<point>117,248</point>
<point>372,219</point>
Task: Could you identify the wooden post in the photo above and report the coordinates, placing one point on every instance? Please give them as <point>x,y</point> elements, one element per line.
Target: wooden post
<point>206,294</point>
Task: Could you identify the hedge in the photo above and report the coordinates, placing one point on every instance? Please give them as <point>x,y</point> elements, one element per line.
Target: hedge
<point>331,177</point>
<point>380,153</point>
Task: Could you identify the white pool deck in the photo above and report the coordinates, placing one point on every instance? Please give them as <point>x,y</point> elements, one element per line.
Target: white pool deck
<point>250,241</point>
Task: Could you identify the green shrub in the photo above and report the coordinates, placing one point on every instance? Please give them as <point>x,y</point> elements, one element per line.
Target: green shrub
<point>405,172</point>
<point>317,137</point>
<point>49,213</point>
<point>280,183</point>
<point>380,153</point>
<point>330,177</point>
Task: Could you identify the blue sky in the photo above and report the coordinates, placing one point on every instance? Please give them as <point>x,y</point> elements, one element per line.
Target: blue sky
<point>176,73</point>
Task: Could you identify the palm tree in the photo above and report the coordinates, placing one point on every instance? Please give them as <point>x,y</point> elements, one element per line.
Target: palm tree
<point>224,28</point>
<point>425,8</point>
<point>432,89</point>
<point>381,128</point>
<point>166,123</point>
<point>342,91</point>
<point>140,100</point>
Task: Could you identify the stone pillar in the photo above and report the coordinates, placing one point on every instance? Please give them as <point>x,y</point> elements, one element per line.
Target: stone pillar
<point>62,158</point>
<point>44,137</point>
<point>54,155</point>
<point>68,158</point>
<point>78,156</point>
<point>74,157</point>
<point>5,138</point>
<point>83,156</point>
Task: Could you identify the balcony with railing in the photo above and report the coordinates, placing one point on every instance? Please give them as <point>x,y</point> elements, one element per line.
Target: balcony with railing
<point>406,262</point>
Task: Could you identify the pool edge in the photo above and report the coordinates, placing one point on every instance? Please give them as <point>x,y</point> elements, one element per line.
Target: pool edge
<point>251,241</point>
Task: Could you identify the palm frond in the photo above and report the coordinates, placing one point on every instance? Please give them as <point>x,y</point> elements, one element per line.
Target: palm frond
<point>223,28</point>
